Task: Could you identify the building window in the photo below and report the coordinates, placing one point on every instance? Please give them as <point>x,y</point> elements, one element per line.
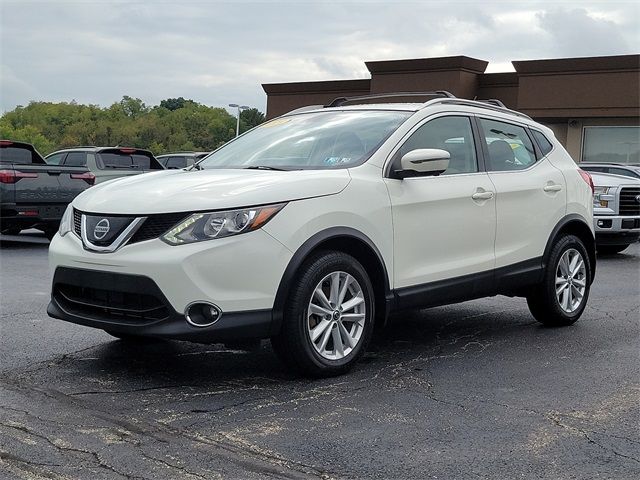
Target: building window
<point>611,145</point>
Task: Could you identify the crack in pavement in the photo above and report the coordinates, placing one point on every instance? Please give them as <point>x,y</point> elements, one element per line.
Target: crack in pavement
<point>242,454</point>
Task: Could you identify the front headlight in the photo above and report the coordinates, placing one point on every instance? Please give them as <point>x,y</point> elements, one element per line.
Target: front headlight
<point>66,223</point>
<point>210,225</point>
<point>600,197</point>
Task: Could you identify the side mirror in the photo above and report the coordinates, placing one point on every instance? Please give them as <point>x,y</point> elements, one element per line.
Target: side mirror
<point>423,162</point>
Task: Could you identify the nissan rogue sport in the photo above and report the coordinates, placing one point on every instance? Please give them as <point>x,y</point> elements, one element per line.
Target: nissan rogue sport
<point>312,227</point>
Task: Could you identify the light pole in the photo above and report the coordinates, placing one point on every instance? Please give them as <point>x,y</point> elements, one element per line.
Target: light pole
<point>240,108</point>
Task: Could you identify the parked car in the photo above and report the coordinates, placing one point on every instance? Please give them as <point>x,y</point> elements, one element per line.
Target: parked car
<point>107,163</point>
<point>180,159</point>
<point>312,227</point>
<point>626,170</point>
<point>32,193</point>
<point>616,212</point>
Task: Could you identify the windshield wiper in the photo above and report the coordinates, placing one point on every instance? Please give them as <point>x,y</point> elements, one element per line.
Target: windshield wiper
<point>265,167</point>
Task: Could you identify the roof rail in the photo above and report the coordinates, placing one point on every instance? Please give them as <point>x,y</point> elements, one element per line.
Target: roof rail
<point>488,104</point>
<point>338,102</point>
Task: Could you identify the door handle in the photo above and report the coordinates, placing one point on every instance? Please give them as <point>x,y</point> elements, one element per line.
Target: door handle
<point>552,188</point>
<point>54,172</point>
<point>482,195</point>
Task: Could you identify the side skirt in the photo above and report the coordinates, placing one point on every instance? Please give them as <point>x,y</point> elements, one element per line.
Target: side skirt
<point>512,280</point>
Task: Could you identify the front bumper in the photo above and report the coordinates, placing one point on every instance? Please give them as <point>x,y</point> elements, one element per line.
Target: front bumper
<point>239,274</point>
<point>133,304</point>
<point>616,230</point>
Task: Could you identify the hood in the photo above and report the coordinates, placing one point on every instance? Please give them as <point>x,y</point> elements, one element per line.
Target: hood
<point>185,191</point>
<point>610,180</point>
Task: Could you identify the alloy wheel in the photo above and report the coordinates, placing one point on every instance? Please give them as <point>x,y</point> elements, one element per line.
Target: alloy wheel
<point>571,280</point>
<point>336,315</point>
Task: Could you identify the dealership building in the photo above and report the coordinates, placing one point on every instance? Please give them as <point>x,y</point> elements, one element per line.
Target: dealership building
<point>592,103</point>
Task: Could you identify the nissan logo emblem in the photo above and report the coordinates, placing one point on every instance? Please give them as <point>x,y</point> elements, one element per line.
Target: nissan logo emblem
<point>101,229</point>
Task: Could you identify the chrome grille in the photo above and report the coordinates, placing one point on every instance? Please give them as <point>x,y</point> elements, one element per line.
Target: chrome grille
<point>629,204</point>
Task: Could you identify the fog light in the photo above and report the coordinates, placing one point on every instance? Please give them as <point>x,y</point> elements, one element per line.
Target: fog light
<point>202,314</point>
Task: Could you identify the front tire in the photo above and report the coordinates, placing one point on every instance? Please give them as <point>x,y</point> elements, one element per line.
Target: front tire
<point>562,296</point>
<point>328,317</point>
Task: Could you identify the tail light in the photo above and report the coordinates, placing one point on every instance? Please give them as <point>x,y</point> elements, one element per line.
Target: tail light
<point>12,176</point>
<point>586,176</point>
<point>5,143</point>
<point>88,177</point>
<point>128,150</point>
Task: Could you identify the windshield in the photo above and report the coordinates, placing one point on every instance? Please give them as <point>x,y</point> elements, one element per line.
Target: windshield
<point>312,141</point>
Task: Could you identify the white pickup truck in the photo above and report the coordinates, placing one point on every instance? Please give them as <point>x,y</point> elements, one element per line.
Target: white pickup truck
<point>616,211</point>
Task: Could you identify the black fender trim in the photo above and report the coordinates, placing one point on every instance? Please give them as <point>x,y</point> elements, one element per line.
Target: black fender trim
<point>564,221</point>
<point>303,252</point>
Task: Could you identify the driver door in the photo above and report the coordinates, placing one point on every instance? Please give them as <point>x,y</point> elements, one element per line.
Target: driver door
<point>444,226</point>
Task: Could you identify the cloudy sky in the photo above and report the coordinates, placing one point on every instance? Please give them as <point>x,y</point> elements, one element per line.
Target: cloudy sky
<point>96,51</point>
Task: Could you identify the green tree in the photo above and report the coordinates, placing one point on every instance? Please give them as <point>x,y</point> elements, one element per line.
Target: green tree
<point>175,124</point>
<point>252,117</point>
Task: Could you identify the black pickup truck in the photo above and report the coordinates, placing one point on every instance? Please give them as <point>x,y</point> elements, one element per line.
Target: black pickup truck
<point>32,193</point>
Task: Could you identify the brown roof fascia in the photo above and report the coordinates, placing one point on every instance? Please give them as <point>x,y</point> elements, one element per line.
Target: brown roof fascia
<point>502,79</point>
<point>459,62</point>
<point>317,87</point>
<point>581,64</point>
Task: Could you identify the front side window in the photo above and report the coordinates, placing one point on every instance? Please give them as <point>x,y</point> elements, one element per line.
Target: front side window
<point>453,134</point>
<point>508,145</point>
<point>309,141</point>
<point>611,145</point>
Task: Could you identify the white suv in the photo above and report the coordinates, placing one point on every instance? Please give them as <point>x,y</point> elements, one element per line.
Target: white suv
<point>313,227</point>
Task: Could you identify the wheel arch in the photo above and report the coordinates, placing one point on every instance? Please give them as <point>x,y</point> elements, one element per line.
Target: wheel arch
<point>347,240</point>
<point>576,225</point>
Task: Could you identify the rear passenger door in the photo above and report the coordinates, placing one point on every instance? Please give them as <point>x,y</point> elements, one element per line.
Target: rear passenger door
<point>530,191</point>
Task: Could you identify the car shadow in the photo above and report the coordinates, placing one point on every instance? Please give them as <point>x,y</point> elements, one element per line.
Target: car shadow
<point>409,339</point>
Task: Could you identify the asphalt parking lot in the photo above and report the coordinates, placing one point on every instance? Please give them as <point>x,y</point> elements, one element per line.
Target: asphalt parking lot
<point>476,390</point>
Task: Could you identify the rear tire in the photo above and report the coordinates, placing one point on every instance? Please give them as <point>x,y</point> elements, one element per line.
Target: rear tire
<point>328,317</point>
<point>611,249</point>
<point>562,296</point>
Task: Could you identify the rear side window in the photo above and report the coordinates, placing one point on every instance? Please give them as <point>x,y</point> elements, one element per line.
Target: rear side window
<point>508,145</point>
<point>543,142</point>
<point>126,160</point>
<point>17,155</point>
<point>76,159</point>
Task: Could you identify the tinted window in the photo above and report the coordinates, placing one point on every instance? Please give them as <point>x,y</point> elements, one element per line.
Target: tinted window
<point>76,159</point>
<point>55,159</point>
<point>509,146</point>
<point>115,160</point>
<point>544,144</point>
<point>452,134</point>
<point>141,161</point>
<point>623,171</point>
<point>176,162</point>
<point>17,155</point>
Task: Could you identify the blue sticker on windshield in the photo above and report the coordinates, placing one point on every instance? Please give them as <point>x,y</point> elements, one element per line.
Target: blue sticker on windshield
<point>336,160</point>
